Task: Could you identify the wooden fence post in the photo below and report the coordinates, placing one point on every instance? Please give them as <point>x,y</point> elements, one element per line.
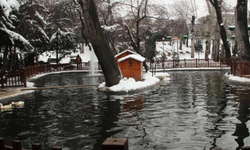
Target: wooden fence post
<point>235,64</point>
<point>36,146</point>
<point>115,144</point>
<point>2,80</point>
<point>17,145</point>
<point>246,148</point>
<point>2,145</point>
<point>231,67</point>
<point>241,72</point>
<point>37,69</point>
<point>196,62</point>
<point>25,77</point>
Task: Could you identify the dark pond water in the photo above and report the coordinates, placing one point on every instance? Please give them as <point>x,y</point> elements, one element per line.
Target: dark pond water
<point>194,111</point>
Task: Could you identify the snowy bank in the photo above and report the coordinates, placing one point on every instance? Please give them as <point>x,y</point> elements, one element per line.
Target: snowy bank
<point>127,85</point>
<point>236,80</point>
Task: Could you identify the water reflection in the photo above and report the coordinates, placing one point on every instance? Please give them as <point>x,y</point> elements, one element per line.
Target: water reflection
<point>196,110</point>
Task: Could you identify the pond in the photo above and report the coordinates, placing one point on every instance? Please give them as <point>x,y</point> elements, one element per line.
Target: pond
<point>195,110</point>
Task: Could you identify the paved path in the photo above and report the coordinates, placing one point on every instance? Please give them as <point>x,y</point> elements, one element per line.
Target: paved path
<point>11,92</point>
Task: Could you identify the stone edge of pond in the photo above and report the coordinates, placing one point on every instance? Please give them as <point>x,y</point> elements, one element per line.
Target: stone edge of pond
<point>10,93</point>
<point>227,79</point>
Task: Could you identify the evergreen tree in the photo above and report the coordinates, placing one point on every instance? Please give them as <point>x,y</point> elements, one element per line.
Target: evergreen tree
<point>32,24</point>
<point>10,39</point>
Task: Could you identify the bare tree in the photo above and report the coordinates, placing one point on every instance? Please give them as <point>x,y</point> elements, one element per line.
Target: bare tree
<point>139,12</point>
<point>99,42</point>
<point>223,33</point>
<point>214,29</point>
<point>187,9</point>
<point>242,30</point>
<point>108,19</point>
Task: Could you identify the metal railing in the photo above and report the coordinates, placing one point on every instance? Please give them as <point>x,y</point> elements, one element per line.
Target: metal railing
<point>188,63</point>
<point>19,78</point>
<point>17,145</point>
<point>240,68</point>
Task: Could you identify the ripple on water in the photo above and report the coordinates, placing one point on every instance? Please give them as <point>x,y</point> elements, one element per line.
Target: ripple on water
<point>195,111</point>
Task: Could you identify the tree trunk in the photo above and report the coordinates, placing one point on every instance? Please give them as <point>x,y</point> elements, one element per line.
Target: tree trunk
<point>242,30</point>
<point>193,37</point>
<point>216,43</point>
<point>192,45</point>
<point>181,41</point>
<point>223,33</point>
<point>99,43</point>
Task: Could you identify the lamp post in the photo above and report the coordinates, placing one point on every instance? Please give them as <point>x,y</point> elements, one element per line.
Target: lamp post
<point>163,55</point>
<point>163,39</point>
<point>208,40</point>
<point>146,46</point>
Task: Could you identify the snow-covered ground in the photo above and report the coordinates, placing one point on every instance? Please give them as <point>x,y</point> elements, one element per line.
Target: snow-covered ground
<point>161,47</point>
<point>130,85</point>
<point>236,80</point>
<point>185,53</point>
<point>86,56</point>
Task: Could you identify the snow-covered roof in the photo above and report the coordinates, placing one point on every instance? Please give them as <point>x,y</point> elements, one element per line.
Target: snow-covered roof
<point>125,52</point>
<point>134,56</point>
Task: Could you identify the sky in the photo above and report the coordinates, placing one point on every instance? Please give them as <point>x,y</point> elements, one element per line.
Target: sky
<point>202,7</point>
<point>199,2</point>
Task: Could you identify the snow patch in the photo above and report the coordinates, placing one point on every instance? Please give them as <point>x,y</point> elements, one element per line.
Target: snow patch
<point>129,84</point>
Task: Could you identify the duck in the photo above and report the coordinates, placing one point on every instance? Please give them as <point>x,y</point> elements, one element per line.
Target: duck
<point>18,104</point>
<point>9,106</point>
<point>165,80</point>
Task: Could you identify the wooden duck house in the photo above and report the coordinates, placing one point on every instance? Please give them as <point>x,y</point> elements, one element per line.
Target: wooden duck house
<point>131,65</point>
<point>123,54</point>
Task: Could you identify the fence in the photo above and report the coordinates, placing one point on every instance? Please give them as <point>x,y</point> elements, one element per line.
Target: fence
<point>18,146</point>
<point>189,63</point>
<point>18,79</point>
<point>11,79</point>
<point>240,68</point>
<point>108,144</point>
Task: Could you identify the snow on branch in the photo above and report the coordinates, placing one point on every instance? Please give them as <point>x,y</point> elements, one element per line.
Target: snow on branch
<point>43,33</point>
<point>40,17</point>
<point>5,7</point>
<point>142,9</point>
<point>13,4</point>
<point>111,28</point>
<point>15,37</point>
<point>59,34</point>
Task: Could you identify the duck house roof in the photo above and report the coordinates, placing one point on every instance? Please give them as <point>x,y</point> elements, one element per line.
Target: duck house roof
<point>133,56</point>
